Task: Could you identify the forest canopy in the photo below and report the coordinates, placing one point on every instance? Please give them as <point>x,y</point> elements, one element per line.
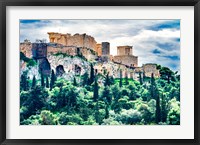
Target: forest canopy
<point>52,100</point>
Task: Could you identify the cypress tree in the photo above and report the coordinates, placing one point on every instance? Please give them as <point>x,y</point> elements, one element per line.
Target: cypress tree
<point>96,91</point>
<point>155,95</point>
<point>126,79</point>
<point>47,82</point>
<point>33,82</point>
<point>106,95</point>
<point>97,112</point>
<point>120,81</point>
<point>53,79</point>
<point>91,74</point>
<point>24,83</point>
<point>163,109</point>
<point>27,83</point>
<point>152,88</point>
<point>42,80</point>
<point>158,111</point>
<point>107,80</point>
<point>75,83</point>
<point>140,78</point>
<point>143,76</point>
<point>107,112</point>
<point>85,79</point>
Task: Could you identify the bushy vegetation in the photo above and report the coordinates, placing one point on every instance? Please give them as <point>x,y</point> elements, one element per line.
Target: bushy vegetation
<point>30,62</point>
<point>122,101</point>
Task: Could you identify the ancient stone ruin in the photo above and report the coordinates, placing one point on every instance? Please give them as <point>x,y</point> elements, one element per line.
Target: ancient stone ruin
<point>86,47</point>
<point>124,56</point>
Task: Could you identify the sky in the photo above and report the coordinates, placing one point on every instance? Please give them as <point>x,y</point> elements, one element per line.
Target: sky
<point>153,41</point>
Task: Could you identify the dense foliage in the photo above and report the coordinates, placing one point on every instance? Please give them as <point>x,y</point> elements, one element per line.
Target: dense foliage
<point>55,101</point>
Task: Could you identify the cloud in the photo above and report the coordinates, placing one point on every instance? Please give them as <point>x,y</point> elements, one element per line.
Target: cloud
<point>153,41</point>
<point>170,25</point>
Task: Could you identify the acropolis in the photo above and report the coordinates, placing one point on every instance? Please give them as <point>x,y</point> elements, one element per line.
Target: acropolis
<point>86,46</point>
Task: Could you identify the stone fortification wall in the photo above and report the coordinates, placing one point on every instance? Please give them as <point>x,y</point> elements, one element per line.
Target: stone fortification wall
<point>69,50</point>
<point>129,60</point>
<point>78,40</point>
<point>72,51</point>
<point>41,50</point>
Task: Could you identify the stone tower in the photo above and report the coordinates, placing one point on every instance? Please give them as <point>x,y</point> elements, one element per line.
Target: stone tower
<point>105,48</point>
<point>124,50</point>
<point>124,56</point>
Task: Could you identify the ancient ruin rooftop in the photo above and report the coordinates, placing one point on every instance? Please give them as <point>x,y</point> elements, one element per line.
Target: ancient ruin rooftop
<point>69,34</point>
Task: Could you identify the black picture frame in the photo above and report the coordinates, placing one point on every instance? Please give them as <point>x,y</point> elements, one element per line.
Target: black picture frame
<point>5,3</point>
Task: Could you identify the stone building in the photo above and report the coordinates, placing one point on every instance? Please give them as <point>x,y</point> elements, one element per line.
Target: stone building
<point>124,56</point>
<point>150,68</point>
<point>78,40</point>
<point>105,48</point>
<point>124,50</point>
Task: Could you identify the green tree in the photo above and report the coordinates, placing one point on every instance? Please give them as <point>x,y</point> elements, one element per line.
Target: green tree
<point>163,108</point>
<point>66,119</point>
<point>107,112</point>
<point>155,95</point>
<point>64,97</point>
<point>145,110</point>
<point>130,116</point>
<point>36,99</point>
<point>144,76</point>
<point>92,76</point>
<point>140,78</point>
<point>75,83</point>
<point>24,82</point>
<point>106,95</point>
<point>158,110</point>
<point>153,87</point>
<point>97,117</point>
<point>107,83</point>
<point>48,118</point>
<point>166,74</point>
<point>53,79</point>
<point>126,79</point>
<point>96,90</point>
<point>47,82</point>
<point>120,81</point>
<point>42,80</point>
<point>109,80</point>
<point>85,79</point>
<point>173,116</point>
<point>33,82</point>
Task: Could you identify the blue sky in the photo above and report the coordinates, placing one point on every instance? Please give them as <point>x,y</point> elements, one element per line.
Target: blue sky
<point>153,41</point>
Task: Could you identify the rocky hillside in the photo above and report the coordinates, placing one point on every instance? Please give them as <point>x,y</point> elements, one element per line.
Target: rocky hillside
<point>72,65</point>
